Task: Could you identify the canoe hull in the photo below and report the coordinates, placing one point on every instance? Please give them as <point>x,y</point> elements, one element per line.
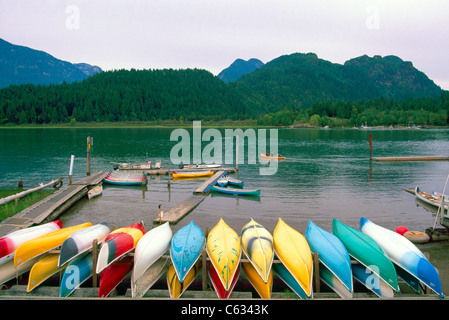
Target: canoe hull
<point>43,269</point>
<point>81,241</point>
<point>257,244</point>
<point>118,243</point>
<point>262,287</point>
<point>331,252</point>
<point>140,286</point>
<point>150,248</point>
<point>294,252</point>
<point>238,192</point>
<point>76,273</point>
<point>177,287</point>
<point>224,250</point>
<point>42,244</point>
<point>111,277</point>
<point>215,279</point>
<point>187,244</point>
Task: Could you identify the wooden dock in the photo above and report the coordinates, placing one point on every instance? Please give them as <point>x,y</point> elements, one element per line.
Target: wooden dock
<point>412,158</point>
<point>175,214</point>
<point>52,206</point>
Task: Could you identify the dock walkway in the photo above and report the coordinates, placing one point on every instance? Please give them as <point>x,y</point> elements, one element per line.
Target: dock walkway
<point>52,206</point>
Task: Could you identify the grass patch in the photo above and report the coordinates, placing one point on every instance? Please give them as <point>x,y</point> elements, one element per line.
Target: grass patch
<point>11,208</point>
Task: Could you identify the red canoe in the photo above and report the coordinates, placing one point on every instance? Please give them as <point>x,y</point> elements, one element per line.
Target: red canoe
<point>218,285</point>
<point>114,274</point>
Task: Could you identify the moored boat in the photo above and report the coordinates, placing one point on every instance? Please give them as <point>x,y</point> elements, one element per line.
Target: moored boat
<point>432,199</point>
<point>257,244</point>
<point>95,192</point>
<point>113,274</point>
<point>294,252</point>
<point>192,174</point>
<point>10,242</point>
<point>331,252</point>
<point>224,181</point>
<point>118,243</point>
<point>150,248</point>
<point>365,250</point>
<point>82,241</point>
<point>404,254</point>
<point>44,243</point>
<point>186,247</point>
<point>224,250</point>
<point>234,191</point>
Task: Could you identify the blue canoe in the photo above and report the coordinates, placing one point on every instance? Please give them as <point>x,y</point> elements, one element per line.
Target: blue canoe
<point>331,253</point>
<point>187,245</point>
<point>285,275</point>
<point>371,281</point>
<point>76,272</point>
<point>239,192</point>
<point>224,181</point>
<point>404,254</point>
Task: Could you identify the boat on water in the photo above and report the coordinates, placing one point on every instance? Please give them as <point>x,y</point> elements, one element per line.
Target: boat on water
<point>224,181</point>
<point>126,179</point>
<point>434,199</point>
<point>404,254</point>
<point>95,192</point>
<point>235,191</point>
<point>272,157</point>
<point>192,174</point>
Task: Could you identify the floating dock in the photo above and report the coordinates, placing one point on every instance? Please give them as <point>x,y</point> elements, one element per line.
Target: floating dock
<point>52,206</point>
<point>175,214</point>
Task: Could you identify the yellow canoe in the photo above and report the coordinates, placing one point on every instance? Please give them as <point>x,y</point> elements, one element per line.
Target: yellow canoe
<point>176,287</point>
<point>262,287</point>
<point>224,250</point>
<point>43,269</point>
<point>257,244</point>
<point>294,252</point>
<point>192,174</point>
<point>42,244</point>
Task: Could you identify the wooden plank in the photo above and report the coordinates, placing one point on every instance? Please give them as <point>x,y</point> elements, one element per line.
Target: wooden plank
<point>205,187</point>
<point>181,210</point>
<point>413,158</point>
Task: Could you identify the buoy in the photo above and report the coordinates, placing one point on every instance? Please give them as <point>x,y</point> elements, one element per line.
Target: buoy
<point>401,230</point>
<point>417,236</point>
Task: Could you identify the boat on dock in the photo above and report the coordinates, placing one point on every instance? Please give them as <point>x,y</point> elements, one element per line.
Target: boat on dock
<point>177,287</point>
<point>82,267</point>
<point>112,275</point>
<point>365,250</point>
<point>294,252</point>
<point>217,283</point>
<point>224,250</point>
<point>43,269</point>
<point>235,191</point>
<point>262,287</point>
<point>404,254</point>
<point>187,244</point>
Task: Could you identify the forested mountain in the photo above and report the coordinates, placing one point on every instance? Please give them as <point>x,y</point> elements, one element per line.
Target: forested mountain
<point>123,95</point>
<point>239,68</point>
<point>299,80</point>
<point>22,65</point>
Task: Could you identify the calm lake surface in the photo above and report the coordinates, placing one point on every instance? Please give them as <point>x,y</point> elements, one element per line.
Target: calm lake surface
<point>327,174</point>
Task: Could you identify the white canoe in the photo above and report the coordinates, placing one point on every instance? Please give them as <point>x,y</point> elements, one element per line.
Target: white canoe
<point>150,248</point>
<point>149,277</point>
<point>404,254</point>
<point>10,242</point>
<point>94,192</point>
<point>81,241</point>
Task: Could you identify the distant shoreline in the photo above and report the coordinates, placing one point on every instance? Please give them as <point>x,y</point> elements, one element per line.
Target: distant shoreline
<point>204,124</point>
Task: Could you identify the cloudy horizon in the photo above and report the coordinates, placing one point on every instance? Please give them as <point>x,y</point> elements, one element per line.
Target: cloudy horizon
<point>206,34</point>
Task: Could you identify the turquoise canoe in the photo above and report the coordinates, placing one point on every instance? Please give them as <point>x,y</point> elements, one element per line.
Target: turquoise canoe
<point>331,253</point>
<point>365,250</point>
<point>76,272</point>
<point>371,281</point>
<point>187,245</point>
<point>233,191</point>
<point>404,254</point>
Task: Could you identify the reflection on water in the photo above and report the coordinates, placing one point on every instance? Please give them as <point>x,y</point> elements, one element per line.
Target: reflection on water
<point>327,174</point>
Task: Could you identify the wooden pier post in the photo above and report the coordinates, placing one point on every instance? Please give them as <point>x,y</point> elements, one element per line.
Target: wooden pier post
<point>316,268</point>
<point>370,146</point>
<point>90,142</point>
<point>94,262</point>
<point>72,157</point>
<point>204,264</point>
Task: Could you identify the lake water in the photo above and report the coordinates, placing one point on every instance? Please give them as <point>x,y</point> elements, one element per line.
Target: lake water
<point>327,174</point>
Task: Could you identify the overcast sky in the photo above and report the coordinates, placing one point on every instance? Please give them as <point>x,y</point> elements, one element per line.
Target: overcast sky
<point>211,34</point>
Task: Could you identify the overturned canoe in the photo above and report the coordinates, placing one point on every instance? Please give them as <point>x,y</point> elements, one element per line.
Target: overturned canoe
<point>43,269</point>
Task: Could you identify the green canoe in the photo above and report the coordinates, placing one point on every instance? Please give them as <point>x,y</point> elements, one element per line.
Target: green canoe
<point>365,250</point>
